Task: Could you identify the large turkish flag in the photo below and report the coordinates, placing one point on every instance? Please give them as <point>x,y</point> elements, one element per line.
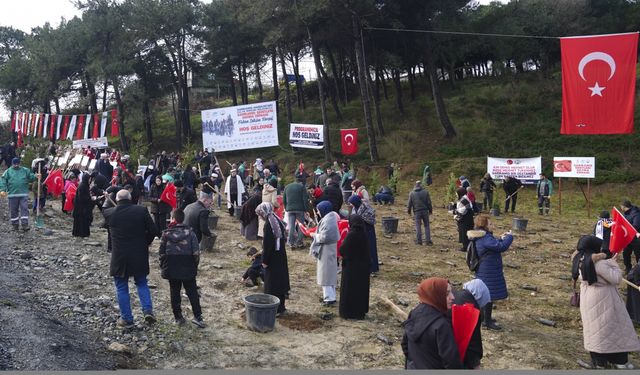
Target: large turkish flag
<point>349,141</point>
<point>598,83</point>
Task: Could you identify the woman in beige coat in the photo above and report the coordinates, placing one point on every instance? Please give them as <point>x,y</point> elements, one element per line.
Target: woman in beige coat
<point>270,195</point>
<point>608,332</point>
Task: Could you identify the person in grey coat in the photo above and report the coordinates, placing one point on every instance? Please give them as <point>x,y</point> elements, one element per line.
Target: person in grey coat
<point>325,249</point>
<point>420,203</point>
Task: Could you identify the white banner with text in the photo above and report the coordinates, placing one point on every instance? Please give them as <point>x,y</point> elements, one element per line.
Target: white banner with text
<point>522,168</point>
<point>306,136</point>
<point>577,167</point>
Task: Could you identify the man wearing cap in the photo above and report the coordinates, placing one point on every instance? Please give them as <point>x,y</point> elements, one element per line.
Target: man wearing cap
<point>544,189</point>
<point>104,167</point>
<point>420,203</point>
<point>132,230</point>
<point>14,184</point>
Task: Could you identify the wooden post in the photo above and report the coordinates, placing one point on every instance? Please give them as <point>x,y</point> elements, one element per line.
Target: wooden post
<point>559,195</point>
<point>588,197</point>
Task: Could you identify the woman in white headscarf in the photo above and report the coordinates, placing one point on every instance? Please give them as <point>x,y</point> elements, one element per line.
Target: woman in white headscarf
<point>274,255</point>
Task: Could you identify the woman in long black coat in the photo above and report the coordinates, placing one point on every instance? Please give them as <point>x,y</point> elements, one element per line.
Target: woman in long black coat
<point>83,209</point>
<point>464,217</point>
<point>274,255</point>
<point>354,285</point>
<point>159,209</point>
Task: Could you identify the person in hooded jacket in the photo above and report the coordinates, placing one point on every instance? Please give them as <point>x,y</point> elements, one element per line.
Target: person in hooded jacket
<point>179,258</point>
<point>476,293</point>
<point>354,284</point>
<point>607,330</point>
<point>428,341</point>
<point>490,269</point>
<point>464,217</point>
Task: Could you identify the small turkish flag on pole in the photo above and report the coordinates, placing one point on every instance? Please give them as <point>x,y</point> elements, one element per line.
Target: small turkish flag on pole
<point>622,232</point>
<point>598,83</point>
<point>349,141</point>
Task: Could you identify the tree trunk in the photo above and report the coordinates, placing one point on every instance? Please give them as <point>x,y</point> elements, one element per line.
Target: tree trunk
<point>333,92</point>
<point>295,63</point>
<point>245,100</point>
<point>178,128</point>
<point>123,138</point>
<point>232,86</point>
<point>334,73</point>
<point>259,81</point>
<point>384,85</point>
<point>364,92</point>
<point>91,89</point>
<point>104,95</point>
<point>241,82</point>
<point>412,86</point>
<point>396,82</point>
<point>343,73</point>
<point>146,119</point>
<point>276,84</point>
<point>321,94</point>
<point>56,102</point>
<point>287,90</point>
<point>441,110</point>
<point>186,124</point>
<point>376,103</point>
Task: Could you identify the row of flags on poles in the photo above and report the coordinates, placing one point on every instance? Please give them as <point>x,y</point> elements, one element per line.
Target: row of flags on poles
<point>57,127</point>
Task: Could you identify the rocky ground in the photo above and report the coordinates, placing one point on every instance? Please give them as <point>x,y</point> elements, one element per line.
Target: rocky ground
<point>58,308</point>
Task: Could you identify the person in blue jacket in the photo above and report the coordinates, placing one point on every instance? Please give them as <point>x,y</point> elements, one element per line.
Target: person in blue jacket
<point>490,269</point>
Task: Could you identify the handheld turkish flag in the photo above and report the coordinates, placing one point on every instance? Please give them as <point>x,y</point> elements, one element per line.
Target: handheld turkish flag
<point>69,197</point>
<point>55,182</point>
<point>343,227</point>
<point>598,83</point>
<point>622,232</point>
<point>464,319</point>
<point>168,195</point>
<point>349,141</point>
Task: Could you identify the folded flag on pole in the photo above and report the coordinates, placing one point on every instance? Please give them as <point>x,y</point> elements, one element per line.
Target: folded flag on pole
<point>598,83</point>
<point>622,232</point>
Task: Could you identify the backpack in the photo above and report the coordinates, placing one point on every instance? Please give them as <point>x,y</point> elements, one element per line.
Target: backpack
<point>472,258</point>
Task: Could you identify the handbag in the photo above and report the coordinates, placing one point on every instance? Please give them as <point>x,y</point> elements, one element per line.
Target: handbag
<point>575,296</point>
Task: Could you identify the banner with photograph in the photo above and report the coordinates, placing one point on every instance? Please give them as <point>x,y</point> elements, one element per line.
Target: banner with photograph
<point>577,167</point>
<point>241,127</point>
<point>522,169</point>
<point>306,136</point>
<point>101,142</point>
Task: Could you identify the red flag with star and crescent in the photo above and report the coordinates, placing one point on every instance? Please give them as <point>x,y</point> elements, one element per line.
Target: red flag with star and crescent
<point>168,195</point>
<point>55,183</point>
<point>349,141</point>
<point>622,232</point>
<point>598,83</point>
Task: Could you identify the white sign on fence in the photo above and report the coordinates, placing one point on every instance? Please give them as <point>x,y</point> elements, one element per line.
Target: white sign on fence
<point>522,168</point>
<point>241,127</point>
<point>577,167</point>
<point>306,136</point>
<point>101,142</point>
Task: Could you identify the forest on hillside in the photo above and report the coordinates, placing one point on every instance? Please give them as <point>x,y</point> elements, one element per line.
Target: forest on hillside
<point>139,55</point>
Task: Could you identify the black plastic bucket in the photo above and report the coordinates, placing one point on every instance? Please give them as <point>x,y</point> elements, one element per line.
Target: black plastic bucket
<point>261,310</point>
<point>390,224</point>
<point>520,224</point>
<point>213,221</point>
<point>208,243</point>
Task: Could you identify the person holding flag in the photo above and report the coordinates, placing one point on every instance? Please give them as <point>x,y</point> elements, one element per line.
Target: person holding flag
<point>159,208</point>
<point>632,216</point>
<point>607,330</point>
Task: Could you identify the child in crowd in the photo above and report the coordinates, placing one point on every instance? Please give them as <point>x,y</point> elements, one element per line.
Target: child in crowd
<point>602,230</point>
<point>255,270</point>
<point>179,258</point>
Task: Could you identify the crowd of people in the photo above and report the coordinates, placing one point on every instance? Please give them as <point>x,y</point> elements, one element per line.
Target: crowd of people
<point>171,198</point>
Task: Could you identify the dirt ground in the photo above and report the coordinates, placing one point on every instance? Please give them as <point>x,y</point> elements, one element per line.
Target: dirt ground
<point>67,279</point>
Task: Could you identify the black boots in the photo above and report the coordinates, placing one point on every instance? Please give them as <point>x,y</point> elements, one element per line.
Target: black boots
<point>488,322</point>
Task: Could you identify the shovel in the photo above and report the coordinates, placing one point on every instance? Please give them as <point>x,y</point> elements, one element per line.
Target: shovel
<point>39,219</point>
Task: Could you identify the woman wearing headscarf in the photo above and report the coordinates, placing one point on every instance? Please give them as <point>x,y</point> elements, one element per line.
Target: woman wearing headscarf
<point>269,194</point>
<point>476,293</point>
<point>324,248</point>
<point>463,217</point>
<point>249,218</point>
<point>428,341</point>
<point>274,255</point>
<point>83,209</point>
<point>159,208</point>
<point>360,190</point>
<point>354,284</point>
<point>368,214</point>
<point>490,269</point>
<point>608,332</point>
